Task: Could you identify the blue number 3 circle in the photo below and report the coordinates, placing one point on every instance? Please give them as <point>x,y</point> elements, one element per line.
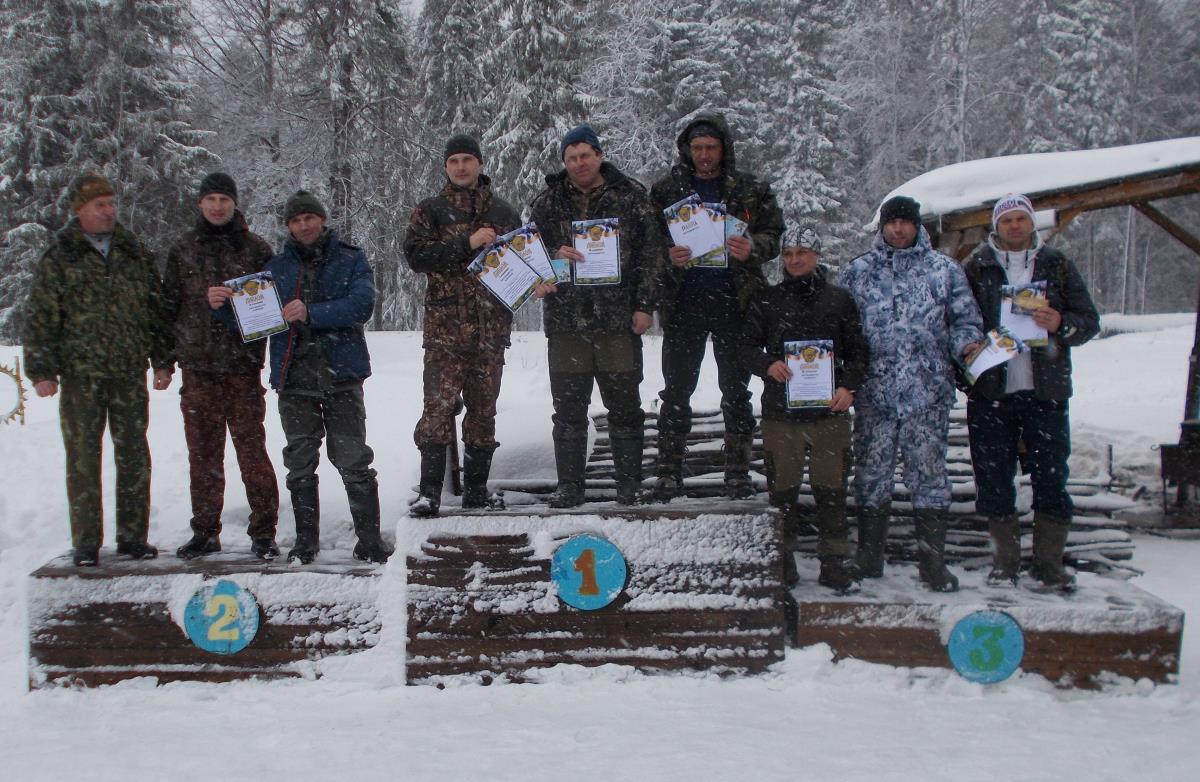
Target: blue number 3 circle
<point>986,646</point>
<point>221,618</point>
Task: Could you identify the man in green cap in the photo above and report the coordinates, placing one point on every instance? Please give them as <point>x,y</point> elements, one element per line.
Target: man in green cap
<point>96,317</point>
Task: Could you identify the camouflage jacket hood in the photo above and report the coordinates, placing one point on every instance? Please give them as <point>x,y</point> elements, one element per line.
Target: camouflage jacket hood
<point>91,316</point>
<point>460,314</point>
<point>918,314</point>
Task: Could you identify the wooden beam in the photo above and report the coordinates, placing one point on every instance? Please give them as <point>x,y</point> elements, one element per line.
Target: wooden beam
<point>1064,219</point>
<point>1103,195</point>
<point>1169,225</point>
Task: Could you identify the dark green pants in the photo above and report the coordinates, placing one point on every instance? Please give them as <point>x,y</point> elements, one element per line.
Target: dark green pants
<point>85,407</point>
<point>612,362</point>
<point>340,419</point>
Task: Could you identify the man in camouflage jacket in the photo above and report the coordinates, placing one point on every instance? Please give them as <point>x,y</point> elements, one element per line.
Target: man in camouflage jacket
<point>96,317</point>
<point>594,331</point>
<point>697,302</point>
<point>466,328</point>
<point>222,388</point>
<point>919,318</point>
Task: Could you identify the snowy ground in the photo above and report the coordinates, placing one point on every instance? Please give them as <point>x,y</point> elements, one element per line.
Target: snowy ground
<point>811,719</point>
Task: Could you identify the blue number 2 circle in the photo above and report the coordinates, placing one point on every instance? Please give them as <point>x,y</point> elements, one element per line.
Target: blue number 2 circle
<point>221,618</point>
<point>986,646</point>
<point>589,572</point>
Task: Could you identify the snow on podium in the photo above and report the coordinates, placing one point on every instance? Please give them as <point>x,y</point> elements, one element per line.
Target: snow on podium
<point>692,585</point>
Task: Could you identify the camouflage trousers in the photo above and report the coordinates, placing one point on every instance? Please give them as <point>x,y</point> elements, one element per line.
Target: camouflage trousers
<point>85,407</point>
<point>338,417</point>
<point>213,403</point>
<point>611,361</point>
<point>448,374</point>
<point>920,439</point>
<point>824,441</point>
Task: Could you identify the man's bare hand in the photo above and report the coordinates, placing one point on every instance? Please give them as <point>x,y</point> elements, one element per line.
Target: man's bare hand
<point>544,289</point>
<point>218,295</point>
<point>842,399</point>
<point>482,236</point>
<point>569,254</point>
<point>295,311</point>
<point>739,247</point>
<point>679,254</point>
<point>45,388</point>
<point>779,372</point>
<point>1048,318</point>
<point>642,321</point>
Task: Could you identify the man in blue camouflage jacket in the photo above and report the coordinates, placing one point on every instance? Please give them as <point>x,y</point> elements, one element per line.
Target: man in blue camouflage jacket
<point>919,317</point>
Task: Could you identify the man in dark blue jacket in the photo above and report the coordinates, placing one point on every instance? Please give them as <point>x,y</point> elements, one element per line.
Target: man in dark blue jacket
<point>318,367</point>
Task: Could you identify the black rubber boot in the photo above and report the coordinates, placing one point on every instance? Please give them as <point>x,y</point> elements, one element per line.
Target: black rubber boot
<point>931,550</point>
<point>264,548</point>
<point>199,546</point>
<point>669,471</point>
<point>872,539</point>
<point>85,556</point>
<point>1049,542</point>
<point>1005,532</point>
<point>838,573</point>
<point>364,509</point>
<point>627,463</point>
<point>477,465</point>
<point>738,485</point>
<point>137,550</point>
<point>838,569</point>
<point>429,492</point>
<point>306,507</point>
<point>570,459</point>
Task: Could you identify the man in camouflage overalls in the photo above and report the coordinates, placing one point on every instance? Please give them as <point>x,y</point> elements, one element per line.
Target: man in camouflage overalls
<point>96,316</point>
<point>466,328</point>
<point>919,317</point>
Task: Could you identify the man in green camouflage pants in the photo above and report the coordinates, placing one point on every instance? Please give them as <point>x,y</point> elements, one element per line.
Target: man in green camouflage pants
<point>96,315</point>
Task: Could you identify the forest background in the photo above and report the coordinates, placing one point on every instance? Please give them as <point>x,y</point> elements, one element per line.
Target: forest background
<point>835,102</point>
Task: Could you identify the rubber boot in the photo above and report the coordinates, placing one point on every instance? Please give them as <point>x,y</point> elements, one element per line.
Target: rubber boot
<point>1049,542</point>
<point>200,545</point>
<point>738,485</point>
<point>931,550</point>
<point>570,458</point>
<point>429,491</point>
<point>838,570</point>
<point>306,507</point>
<point>669,485</point>
<point>137,550</point>
<point>785,504</point>
<point>627,462</point>
<point>1005,532</point>
<point>477,465</point>
<point>872,539</point>
<point>364,509</point>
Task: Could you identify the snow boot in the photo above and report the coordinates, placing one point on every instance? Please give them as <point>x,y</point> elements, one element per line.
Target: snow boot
<point>1049,542</point>
<point>738,448</point>
<point>264,548</point>
<point>477,465</point>
<point>85,556</point>
<point>364,509</point>
<point>570,459</point>
<point>200,545</point>
<point>872,539</point>
<point>669,485</point>
<point>1005,532</point>
<point>137,550</point>
<point>627,463</point>
<point>930,526</point>
<point>429,492</point>
<point>839,573</point>
<point>306,507</point>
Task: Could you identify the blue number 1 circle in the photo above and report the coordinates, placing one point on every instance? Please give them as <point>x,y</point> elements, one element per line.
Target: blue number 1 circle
<point>589,572</point>
<point>221,618</point>
<point>986,646</point>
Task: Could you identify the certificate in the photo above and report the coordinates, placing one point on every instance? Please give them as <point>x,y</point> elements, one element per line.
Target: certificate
<point>1017,308</point>
<point>526,242</point>
<point>509,279</point>
<point>600,242</point>
<point>999,347</point>
<point>717,257</point>
<point>811,364</point>
<point>256,306</point>
<point>691,225</point>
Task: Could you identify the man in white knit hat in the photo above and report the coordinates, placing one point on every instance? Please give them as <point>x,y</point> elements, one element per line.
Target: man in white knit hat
<point>1026,399</point>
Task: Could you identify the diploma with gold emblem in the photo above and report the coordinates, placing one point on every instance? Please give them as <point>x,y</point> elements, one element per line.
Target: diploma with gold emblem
<point>509,279</point>
<point>256,306</point>
<point>526,242</point>
<point>600,242</point>
<point>811,364</point>
<point>691,226</point>
<point>999,347</point>
<point>1017,308</point>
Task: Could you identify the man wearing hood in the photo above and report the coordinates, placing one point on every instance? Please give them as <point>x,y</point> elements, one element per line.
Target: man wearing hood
<point>222,387</point>
<point>593,332</point>
<point>318,366</point>
<point>919,318</point>
<point>698,302</point>
<point>805,307</point>
<point>466,328</point>
<point>1026,398</point>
